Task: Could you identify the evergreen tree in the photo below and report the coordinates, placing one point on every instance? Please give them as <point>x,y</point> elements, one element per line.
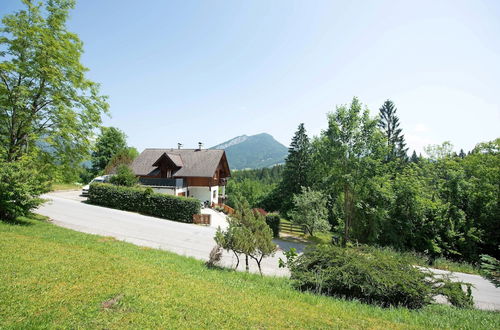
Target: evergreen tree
<point>461,154</point>
<point>389,123</point>
<point>296,173</point>
<point>414,158</point>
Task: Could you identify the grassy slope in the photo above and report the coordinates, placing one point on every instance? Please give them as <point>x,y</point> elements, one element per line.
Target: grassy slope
<point>55,277</point>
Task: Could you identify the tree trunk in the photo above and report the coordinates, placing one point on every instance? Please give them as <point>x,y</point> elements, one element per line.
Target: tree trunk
<point>258,261</point>
<point>347,214</point>
<point>246,263</point>
<point>237,260</point>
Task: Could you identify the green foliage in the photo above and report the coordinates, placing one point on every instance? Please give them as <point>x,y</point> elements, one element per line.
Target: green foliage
<point>297,171</point>
<point>108,144</point>
<point>309,210</point>
<point>389,123</point>
<point>348,168</point>
<point>266,175</point>
<point>247,234</point>
<point>290,256</point>
<point>122,157</point>
<point>250,190</point>
<point>455,294</point>
<point>124,177</point>
<point>144,201</point>
<point>361,273</point>
<point>491,269</point>
<point>46,101</point>
<point>20,188</point>
<point>444,206</point>
<point>273,221</point>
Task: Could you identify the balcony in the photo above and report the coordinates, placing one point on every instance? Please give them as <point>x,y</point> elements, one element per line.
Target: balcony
<point>162,182</point>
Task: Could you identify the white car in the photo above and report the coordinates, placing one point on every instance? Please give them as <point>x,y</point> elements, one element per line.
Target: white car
<point>99,179</point>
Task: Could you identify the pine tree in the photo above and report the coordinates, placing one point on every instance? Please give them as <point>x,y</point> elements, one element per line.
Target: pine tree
<point>389,123</point>
<point>414,158</point>
<point>461,154</point>
<point>296,173</point>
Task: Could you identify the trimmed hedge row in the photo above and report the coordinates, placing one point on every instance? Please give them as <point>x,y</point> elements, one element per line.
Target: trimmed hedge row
<point>144,201</point>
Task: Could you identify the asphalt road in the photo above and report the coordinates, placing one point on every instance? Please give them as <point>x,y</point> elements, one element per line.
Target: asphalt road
<point>67,209</point>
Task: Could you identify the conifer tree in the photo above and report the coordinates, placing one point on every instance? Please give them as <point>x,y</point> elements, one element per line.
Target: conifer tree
<point>414,157</point>
<point>297,169</point>
<point>389,123</point>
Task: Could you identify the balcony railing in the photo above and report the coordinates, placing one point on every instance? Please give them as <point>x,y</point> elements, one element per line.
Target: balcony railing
<point>162,182</point>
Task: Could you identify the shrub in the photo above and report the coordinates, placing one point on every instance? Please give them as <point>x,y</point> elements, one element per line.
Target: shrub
<point>144,201</point>
<point>20,187</point>
<point>455,294</point>
<point>124,177</point>
<point>273,221</point>
<point>362,273</point>
<point>214,257</point>
<point>491,269</point>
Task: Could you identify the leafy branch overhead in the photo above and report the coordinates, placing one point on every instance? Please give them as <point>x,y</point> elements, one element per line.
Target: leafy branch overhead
<point>46,100</point>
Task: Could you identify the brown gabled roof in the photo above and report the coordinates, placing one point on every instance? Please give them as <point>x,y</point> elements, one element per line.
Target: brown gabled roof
<point>193,162</point>
<point>173,159</point>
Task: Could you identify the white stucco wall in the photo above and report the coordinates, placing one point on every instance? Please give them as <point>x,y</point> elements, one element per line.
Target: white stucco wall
<point>204,193</point>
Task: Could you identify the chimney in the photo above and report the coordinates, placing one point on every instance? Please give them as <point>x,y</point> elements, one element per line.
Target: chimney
<point>200,145</point>
<point>179,145</point>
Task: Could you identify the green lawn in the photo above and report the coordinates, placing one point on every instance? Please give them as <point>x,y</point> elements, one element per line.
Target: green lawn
<point>53,277</point>
<point>65,186</point>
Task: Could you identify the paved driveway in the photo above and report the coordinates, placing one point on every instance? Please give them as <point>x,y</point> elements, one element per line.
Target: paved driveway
<point>67,209</point>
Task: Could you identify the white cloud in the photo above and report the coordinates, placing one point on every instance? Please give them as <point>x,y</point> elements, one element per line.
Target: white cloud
<point>420,128</point>
<point>417,142</point>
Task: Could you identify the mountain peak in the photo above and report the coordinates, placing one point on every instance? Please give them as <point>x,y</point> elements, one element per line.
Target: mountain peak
<point>255,151</point>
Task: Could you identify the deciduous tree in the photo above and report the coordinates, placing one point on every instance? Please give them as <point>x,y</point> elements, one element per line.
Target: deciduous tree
<point>46,100</point>
<point>310,211</point>
<point>110,142</point>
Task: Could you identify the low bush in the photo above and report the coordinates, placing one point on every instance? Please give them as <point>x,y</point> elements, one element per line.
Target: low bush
<point>455,294</point>
<point>371,275</point>
<point>273,221</point>
<point>361,273</point>
<point>124,177</point>
<point>491,269</point>
<point>144,201</point>
<point>20,188</point>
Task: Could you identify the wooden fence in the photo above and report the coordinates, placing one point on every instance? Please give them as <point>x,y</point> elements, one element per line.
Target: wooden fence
<point>201,219</point>
<point>227,209</point>
<point>290,228</point>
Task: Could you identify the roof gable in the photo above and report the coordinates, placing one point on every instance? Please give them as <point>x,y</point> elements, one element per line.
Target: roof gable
<point>172,159</point>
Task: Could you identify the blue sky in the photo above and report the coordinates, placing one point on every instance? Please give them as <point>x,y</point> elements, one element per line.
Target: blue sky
<point>189,71</point>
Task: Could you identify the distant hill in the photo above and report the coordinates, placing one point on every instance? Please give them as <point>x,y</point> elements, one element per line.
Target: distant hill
<point>255,151</point>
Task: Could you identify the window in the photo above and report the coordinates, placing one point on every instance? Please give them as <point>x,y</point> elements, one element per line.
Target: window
<point>215,194</point>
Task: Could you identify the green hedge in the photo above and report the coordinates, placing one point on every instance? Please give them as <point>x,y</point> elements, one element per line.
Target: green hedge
<point>273,221</point>
<point>144,201</point>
